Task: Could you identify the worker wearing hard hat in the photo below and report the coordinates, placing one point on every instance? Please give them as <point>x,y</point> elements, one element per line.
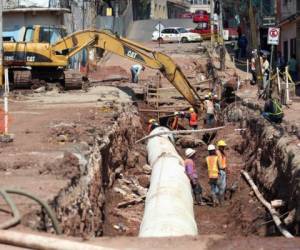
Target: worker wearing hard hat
<point>216,103</point>
<point>191,172</point>
<point>152,124</point>
<point>193,118</point>
<point>213,173</point>
<point>222,162</point>
<point>210,111</point>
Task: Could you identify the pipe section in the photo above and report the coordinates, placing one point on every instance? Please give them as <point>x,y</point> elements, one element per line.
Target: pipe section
<point>169,202</point>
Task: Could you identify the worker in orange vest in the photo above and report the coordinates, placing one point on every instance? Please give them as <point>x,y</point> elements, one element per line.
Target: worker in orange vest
<point>152,124</point>
<point>193,118</point>
<point>213,173</point>
<point>222,162</point>
<point>191,172</point>
<point>174,125</point>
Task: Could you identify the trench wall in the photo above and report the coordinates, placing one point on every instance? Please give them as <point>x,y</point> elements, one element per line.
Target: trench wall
<point>79,207</point>
<point>272,156</point>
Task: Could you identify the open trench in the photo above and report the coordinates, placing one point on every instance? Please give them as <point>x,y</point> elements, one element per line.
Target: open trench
<point>109,180</point>
<point>106,194</point>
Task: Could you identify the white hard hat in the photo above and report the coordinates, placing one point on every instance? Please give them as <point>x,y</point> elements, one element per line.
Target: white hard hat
<point>211,147</point>
<point>189,152</point>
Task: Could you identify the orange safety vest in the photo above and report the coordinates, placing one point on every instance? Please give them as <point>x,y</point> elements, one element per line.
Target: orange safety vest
<point>212,166</point>
<point>222,160</point>
<point>193,119</point>
<point>149,128</point>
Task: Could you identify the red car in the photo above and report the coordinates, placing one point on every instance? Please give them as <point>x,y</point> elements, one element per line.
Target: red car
<point>203,28</point>
<point>201,16</point>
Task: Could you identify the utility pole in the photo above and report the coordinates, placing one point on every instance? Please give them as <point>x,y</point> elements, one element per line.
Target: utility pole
<point>212,39</point>
<point>255,45</point>
<point>1,43</point>
<point>222,48</point>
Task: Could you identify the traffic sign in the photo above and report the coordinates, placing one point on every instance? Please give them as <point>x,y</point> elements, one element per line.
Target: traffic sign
<point>269,21</point>
<point>273,36</point>
<point>159,26</point>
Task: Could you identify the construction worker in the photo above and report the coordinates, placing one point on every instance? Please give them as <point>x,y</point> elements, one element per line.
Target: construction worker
<point>174,125</point>
<point>135,72</point>
<point>213,173</point>
<point>152,124</point>
<point>273,111</point>
<point>210,111</point>
<point>222,163</point>
<point>216,103</point>
<point>193,118</point>
<point>191,172</point>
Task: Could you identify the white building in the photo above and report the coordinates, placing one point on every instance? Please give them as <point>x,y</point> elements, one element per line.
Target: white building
<point>199,5</point>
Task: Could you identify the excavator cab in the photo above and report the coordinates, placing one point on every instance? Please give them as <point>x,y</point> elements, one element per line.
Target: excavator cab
<point>43,34</point>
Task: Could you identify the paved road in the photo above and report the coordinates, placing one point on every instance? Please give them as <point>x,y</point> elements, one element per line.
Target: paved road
<point>142,30</point>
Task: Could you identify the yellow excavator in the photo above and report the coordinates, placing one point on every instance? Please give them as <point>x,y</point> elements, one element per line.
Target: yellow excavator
<point>45,53</point>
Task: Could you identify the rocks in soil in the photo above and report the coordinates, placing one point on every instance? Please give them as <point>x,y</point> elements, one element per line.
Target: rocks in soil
<point>68,166</point>
<point>146,169</point>
<point>6,138</point>
<point>133,159</point>
<point>40,89</point>
<point>189,142</point>
<point>235,115</point>
<point>64,132</point>
<point>144,181</point>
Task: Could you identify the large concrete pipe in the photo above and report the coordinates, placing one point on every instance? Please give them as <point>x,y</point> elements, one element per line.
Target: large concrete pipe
<point>169,202</point>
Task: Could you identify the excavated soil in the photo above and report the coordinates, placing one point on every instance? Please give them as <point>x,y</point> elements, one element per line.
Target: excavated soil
<point>83,160</point>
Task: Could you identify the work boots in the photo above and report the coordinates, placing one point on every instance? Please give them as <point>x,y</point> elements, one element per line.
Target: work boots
<point>221,199</point>
<point>215,200</point>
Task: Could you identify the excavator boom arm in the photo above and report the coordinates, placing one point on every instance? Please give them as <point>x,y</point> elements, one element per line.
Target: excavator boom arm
<point>133,51</point>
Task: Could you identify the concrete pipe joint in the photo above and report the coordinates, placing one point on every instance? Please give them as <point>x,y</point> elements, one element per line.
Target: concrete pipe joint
<point>169,202</point>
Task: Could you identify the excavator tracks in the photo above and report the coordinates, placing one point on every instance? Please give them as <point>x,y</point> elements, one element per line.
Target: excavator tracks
<point>73,80</point>
<point>22,78</point>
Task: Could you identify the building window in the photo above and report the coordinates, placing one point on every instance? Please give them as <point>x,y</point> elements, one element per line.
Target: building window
<point>286,51</point>
<point>292,47</point>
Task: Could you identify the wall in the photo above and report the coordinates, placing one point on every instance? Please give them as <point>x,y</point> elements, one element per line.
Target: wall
<point>159,9</point>
<point>288,32</point>
<point>195,7</point>
<point>13,22</point>
<point>288,8</point>
<point>120,25</point>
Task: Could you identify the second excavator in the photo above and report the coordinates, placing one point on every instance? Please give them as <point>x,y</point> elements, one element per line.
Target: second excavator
<point>45,53</point>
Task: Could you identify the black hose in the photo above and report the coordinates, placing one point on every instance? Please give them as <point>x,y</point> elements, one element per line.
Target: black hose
<point>43,204</point>
<point>16,214</point>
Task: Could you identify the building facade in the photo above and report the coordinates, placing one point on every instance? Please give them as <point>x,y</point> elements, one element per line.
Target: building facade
<point>289,23</point>
<point>199,5</point>
<point>20,14</point>
<point>164,9</point>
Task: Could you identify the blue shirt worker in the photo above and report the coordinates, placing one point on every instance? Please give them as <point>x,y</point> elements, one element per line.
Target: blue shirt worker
<point>135,72</point>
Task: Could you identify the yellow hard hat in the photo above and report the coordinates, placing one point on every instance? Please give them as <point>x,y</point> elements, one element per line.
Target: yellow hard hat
<point>151,121</point>
<point>221,143</point>
<point>191,110</point>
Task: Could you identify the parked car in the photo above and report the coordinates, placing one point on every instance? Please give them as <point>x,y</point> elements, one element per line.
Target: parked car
<point>200,16</point>
<point>176,34</point>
